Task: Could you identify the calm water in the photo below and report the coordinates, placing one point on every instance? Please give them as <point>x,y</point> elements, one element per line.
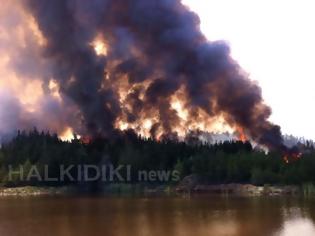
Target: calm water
<point>215,216</point>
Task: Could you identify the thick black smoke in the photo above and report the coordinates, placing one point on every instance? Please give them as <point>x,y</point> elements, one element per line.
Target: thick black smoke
<point>155,49</point>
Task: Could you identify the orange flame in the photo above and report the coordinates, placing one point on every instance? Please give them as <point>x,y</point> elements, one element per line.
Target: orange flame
<point>67,135</point>
<point>100,46</point>
<point>292,157</point>
<point>241,134</point>
<point>286,159</point>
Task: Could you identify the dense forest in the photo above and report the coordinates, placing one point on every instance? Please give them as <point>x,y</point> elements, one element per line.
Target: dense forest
<point>225,162</point>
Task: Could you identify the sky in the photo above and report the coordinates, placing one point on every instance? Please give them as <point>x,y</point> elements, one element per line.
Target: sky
<point>274,41</point>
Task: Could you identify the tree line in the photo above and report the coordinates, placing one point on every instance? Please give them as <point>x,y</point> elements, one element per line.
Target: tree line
<point>225,162</point>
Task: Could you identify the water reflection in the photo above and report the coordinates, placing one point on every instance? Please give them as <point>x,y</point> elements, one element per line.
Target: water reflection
<point>206,215</point>
<point>298,226</point>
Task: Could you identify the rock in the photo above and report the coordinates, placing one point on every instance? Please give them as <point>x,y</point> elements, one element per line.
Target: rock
<point>188,183</point>
<point>33,191</point>
<point>191,184</point>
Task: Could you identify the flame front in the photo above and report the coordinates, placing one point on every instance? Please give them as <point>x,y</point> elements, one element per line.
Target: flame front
<point>67,135</point>
<point>35,95</point>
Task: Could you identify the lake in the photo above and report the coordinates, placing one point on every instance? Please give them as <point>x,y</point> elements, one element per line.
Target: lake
<point>157,216</point>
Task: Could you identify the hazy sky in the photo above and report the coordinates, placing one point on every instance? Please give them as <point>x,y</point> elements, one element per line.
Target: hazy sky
<point>273,40</point>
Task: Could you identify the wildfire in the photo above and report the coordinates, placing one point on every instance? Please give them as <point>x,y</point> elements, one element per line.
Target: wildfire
<point>123,125</point>
<point>86,139</point>
<point>99,46</point>
<point>241,134</point>
<point>292,157</point>
<point>178,107</point>
<point>54,89</point>
<point>142,128</point>
<point>67,135</point>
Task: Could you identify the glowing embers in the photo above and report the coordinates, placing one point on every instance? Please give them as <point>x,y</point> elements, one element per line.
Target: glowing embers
<point>292,157</point>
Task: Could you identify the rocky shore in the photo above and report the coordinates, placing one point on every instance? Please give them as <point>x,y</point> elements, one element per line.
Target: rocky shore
<point>190,184</point>
<point>33,191</point>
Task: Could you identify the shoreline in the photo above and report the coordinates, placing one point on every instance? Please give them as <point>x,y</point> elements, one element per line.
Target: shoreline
<point>246,190</point>
<point>243,190</point>
<point>26,191</point>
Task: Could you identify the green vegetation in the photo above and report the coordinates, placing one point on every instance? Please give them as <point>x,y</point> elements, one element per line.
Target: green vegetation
<point>228,162</point>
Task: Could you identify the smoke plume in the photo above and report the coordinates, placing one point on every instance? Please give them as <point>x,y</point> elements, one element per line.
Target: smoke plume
<point>143,65</point>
